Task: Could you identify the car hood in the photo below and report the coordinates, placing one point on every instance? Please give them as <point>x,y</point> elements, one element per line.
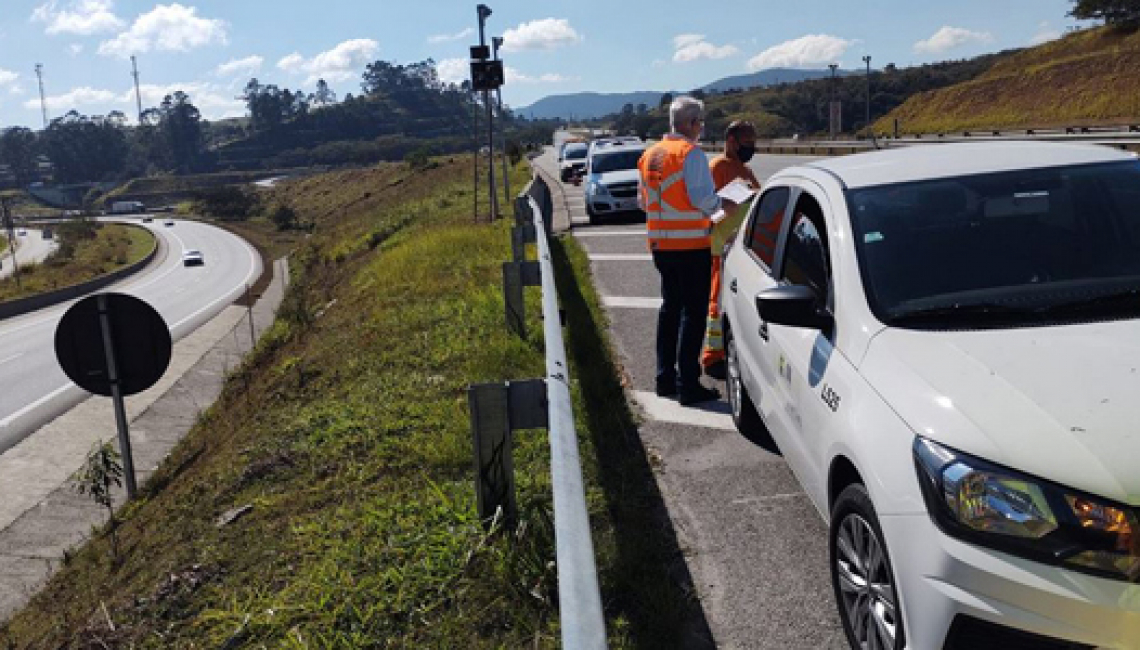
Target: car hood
<point>615,177</point>
<point>1057,402</point>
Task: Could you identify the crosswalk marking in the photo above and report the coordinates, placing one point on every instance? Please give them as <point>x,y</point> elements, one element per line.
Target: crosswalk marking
<point>631,303</point>
<point>712,415</point>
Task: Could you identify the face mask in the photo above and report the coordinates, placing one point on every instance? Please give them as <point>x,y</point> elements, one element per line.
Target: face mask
<point>745,153</point>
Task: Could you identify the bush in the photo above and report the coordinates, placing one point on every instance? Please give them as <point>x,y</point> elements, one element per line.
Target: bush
<point>284,217</point>
<point>230,203</point>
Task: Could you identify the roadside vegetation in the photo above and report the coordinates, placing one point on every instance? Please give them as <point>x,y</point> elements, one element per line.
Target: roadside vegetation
<point>87,250</point>
<point>1084,78</point>
<point>343,440</point>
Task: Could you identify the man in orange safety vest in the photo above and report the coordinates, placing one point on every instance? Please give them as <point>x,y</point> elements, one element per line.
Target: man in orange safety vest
<point>678,196</point>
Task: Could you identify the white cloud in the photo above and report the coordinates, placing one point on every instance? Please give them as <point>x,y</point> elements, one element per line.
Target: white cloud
<point>949,38</point>
<point>516,77</point>
<point>172,27</point>
<point>445,38</point>
<point>693,47</point>
<point>80,17</point>
<point>1045,33</point>
<point>804,52</point>
<point>74,98</point>
<point>248,66</point>
<point>453,71</point>
<point>344,62</point>
<point>75,49</point>
<point>544,34</point>
<point>214,101</point>
<point>8,78</point>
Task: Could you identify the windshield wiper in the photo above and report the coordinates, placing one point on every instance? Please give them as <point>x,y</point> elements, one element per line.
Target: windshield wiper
<point>1131,297</point>
<point>945,313</point>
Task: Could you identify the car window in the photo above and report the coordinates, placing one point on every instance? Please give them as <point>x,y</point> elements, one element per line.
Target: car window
<point>575,153</point>
<point>612,162</point>
<point>806,256</point>
<point>764,226</point>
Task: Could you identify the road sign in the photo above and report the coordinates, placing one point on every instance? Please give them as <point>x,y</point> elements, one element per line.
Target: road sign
<point>114,345</point>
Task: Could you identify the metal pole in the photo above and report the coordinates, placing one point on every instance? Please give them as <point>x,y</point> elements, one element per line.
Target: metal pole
<point>138,93</point>
<point>43,98</point>
<point>11,240</point>
<point>870,131</point>
<point>496,42</point>
<point>831,104</point>
<point>475,140</point>
<point>249,307</point>
<point>483,11</point>
<point>117,396</point>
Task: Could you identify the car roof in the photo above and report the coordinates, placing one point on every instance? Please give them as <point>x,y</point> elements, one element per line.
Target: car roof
<point>575,145</point>
<point>613,147</point>
<point>926,162</point>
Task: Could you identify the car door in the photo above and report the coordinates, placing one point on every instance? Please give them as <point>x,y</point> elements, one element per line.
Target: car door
<point>748,272</point>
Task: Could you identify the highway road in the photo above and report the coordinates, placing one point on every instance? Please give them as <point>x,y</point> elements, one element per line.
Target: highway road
<point>31,248</point>
<point>755,547</point>
<point>36,390</point>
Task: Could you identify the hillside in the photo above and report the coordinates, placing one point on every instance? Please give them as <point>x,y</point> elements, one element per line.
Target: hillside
<point>587,105</point>
<point>771,77</point>
<point>1087,77</point>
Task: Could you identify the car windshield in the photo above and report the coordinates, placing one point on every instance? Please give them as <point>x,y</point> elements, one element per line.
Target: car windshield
<point>617,161</point>
<point>1002,249</point>
<point>575,153</point>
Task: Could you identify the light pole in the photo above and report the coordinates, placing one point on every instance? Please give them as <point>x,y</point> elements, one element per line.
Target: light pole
<point>484,12</point>
<point>496,43</point>
<point>870,131</point>
<point>831,105</point>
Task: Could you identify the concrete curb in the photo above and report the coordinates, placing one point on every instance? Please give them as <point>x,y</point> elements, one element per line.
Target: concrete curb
<point>41,516</point>
<point>23,306</point>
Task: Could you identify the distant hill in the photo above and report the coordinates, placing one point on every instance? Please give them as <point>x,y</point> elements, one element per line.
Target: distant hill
<point>771,77</point>
<point>587,105</point>
<point>1086,78</point>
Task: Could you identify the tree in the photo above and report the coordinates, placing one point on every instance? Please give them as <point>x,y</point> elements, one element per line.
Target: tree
<point>102,471</point>
<point>181,122</point>
<point>86,148</point>
<point>666,99</point>
<point>18,150</point>
<point>1120,13</point>
<point>324,95</point>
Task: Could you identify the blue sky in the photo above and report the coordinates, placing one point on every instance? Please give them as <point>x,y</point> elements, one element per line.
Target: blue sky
<point>210,48</point>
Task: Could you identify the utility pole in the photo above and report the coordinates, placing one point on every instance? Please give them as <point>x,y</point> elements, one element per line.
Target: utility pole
<point>484,11</point>
<point>496,43</point>
<point>870,131</point>
<point>475,141</point>
<point>43,98</point>
<point>138,93</point>
<point>831,105</point>
<point>7,214</point>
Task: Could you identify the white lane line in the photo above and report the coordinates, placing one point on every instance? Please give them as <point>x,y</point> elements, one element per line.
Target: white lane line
<point>610,233</point>
<point>254,271</point>
<point>11,358</point>
<point>610,257</point>
<point>711,415</point>
<point>35,405</point>
<point>631,303</point>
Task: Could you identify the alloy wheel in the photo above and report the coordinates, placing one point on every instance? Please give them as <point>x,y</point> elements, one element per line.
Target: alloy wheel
<point>866,588</point>
<point>733,383</point>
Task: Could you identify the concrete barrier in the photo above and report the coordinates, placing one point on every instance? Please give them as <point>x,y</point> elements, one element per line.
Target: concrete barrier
<point>22,306</point>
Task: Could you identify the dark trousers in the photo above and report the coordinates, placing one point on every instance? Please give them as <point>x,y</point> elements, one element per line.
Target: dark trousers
<point>685,279</point>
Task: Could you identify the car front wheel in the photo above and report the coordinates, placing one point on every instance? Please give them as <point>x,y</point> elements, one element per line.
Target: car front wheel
<point>744,414</point>
<point>861,574</point>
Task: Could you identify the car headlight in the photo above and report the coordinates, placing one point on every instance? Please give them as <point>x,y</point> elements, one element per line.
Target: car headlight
<point>993,506</point>
<point>597,189</point>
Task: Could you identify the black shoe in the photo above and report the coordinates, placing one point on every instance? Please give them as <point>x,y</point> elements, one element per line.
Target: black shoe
<point>718,370</point>
<point>666,389</point>
<point>698,395</point>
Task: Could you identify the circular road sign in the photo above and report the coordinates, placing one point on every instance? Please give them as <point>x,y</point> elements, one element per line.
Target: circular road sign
<point>139,342</point>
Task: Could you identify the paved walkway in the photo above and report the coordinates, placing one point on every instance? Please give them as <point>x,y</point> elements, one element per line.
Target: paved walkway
<point>40,514</point>
<point>753,543</point>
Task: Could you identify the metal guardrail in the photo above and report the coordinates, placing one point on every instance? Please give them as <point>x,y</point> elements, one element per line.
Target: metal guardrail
<point>497,410</point>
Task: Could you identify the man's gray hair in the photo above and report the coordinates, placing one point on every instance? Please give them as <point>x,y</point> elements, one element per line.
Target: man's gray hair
<point>684,110</point>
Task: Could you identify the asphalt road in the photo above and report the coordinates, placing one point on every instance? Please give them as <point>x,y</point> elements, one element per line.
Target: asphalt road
<point>36,390</point>
<point>755,546</point>
<point>31,248</point>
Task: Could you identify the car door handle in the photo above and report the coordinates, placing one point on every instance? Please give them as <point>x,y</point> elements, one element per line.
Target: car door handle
<point>764,330</point>
<point>732,286</point>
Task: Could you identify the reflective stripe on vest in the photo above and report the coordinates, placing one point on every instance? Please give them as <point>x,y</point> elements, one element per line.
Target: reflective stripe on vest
<point>673,222</point>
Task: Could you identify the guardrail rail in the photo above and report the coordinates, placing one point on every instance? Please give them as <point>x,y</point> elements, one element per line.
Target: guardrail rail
<point>497,410</point>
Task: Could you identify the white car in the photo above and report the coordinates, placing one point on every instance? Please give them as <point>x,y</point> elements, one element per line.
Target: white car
<point>193,258</point>
<point>611,178</point>
<point>944,343</point>
<point>572,160</point>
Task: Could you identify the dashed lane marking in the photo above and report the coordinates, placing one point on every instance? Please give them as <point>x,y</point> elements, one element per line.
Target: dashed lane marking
<point>711,415</point>
<point>631,303</point>
<point>611,257</point>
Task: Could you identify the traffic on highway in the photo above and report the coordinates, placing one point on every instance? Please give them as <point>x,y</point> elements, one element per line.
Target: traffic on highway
<point>185,294</point>
<point>936,343</point>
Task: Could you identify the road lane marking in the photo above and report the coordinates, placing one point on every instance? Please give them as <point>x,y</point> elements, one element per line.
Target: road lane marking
<point>608,257</point>
<point>711,415</point>
<point>11,358</point>
<point>631,303</point>
<point>6,422</point>
<point>610,233</point>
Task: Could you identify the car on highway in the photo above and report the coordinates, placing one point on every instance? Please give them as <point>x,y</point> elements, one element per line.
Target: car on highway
<point>942,342</point>
<point>193,257</point>
<point>168,222</point>
<point>573,160</point>
<point>611,178</point>
<point>148,219</point>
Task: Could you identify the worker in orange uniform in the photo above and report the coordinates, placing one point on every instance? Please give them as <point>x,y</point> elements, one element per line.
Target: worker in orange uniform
<point>739,147</point>
<point>678,196</point>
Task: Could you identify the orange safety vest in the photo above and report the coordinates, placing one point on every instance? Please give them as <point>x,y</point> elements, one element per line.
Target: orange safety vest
<point>673,222</point>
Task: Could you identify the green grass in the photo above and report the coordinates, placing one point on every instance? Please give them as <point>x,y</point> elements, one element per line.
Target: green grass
<point>86,251</point>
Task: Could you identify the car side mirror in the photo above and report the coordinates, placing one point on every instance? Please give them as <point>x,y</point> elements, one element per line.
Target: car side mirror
<point>794,306</point>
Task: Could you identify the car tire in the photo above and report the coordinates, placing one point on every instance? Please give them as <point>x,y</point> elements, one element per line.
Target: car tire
<point>594,218</point>
<point>866,592</point>
<point>744,414</point>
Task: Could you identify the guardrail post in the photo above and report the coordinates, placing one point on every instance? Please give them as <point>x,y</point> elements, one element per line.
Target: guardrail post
<point>517,275</point>
<point>497,411</point>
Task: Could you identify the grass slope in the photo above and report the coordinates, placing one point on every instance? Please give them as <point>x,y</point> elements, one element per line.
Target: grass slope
<point>1085,78</point>
<point>346,432</point>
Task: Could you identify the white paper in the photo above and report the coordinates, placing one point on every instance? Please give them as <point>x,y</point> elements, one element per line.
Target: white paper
<point>717,216</point>
<point>737,191</point>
